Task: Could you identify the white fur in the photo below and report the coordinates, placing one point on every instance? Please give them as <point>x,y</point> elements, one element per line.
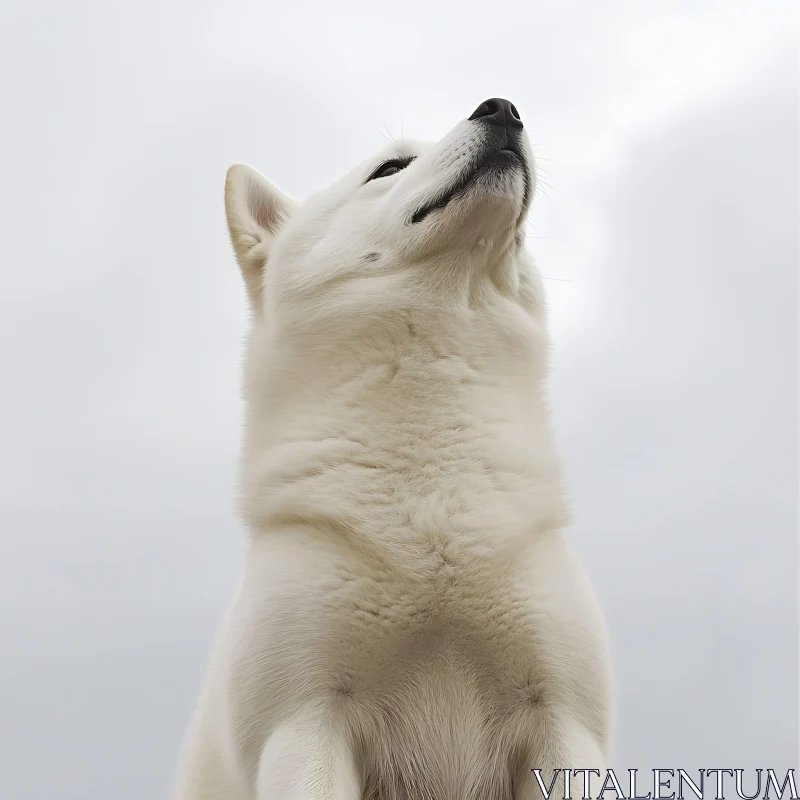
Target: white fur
<point>411,624</point>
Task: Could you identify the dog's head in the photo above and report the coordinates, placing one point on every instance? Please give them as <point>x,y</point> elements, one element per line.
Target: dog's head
<point>444,211</point>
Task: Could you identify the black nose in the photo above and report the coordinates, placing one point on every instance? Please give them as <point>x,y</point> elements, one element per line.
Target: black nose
<point>498,112</point>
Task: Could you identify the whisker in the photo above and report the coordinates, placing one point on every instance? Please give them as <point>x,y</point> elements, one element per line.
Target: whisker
<point>542,171</point>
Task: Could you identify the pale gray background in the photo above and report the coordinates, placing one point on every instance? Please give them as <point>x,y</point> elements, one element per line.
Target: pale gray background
<point>668,138</point>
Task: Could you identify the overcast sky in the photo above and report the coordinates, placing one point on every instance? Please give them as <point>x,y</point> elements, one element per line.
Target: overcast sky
<point>668,139</point>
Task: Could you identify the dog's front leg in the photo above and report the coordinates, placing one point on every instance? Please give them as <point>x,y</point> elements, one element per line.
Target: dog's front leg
<point>309,758</point>
<point>567,745</point>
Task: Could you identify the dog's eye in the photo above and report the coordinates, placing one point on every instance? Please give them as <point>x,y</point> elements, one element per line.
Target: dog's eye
<point>387,171</point>
<point>390,168</point>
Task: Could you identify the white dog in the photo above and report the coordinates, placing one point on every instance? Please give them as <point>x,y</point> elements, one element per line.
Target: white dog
<point>411,624</point>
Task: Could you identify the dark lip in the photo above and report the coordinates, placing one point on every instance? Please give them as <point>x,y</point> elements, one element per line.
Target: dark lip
<point>508,152</point>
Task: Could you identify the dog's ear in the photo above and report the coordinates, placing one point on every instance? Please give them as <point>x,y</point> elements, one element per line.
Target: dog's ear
<point>256,211</point>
